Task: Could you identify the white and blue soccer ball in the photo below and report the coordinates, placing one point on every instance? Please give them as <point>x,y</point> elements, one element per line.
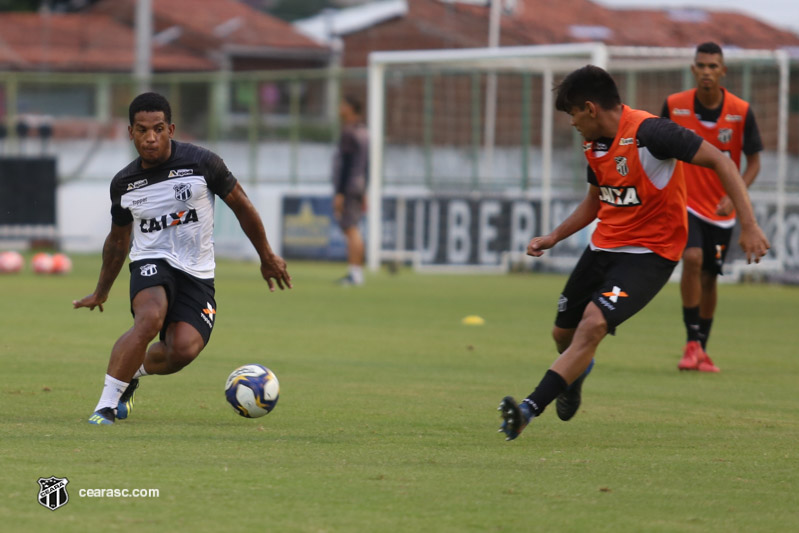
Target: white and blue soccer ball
<point>252,390</point>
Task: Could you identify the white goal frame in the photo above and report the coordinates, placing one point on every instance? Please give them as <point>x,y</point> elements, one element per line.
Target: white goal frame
<point>549,60</point>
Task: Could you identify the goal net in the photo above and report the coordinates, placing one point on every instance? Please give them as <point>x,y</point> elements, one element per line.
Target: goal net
<point>469,159</point>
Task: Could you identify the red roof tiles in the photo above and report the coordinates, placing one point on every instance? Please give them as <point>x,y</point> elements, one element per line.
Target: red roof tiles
<point>433,24</point>
<point>79,42</point>
<point>212,32</point>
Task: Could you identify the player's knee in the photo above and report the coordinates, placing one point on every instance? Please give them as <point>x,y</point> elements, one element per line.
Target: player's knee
<point>562,337</point>
<point>692,259</point>
<point>593,322</point>
<point>181,353</point>
<point>149,325</point>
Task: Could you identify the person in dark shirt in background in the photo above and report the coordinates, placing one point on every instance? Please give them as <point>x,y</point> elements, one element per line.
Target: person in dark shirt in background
<point>350,166</point>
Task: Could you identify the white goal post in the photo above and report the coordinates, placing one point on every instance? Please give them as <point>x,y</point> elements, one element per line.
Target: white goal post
<point>387,71</point>
<point>547,59</point>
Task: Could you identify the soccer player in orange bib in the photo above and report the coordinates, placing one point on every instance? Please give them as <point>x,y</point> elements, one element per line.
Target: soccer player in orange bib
<point>726,122</point>
<point>636,189</point>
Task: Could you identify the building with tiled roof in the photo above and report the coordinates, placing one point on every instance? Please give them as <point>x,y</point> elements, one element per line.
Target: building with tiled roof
<point>81,42</point>
<point>229,32</point>
<point>434,24</point>
<point>189,35</point>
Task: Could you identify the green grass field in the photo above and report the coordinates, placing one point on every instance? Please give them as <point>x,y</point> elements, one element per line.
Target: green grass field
<point>387,418</point>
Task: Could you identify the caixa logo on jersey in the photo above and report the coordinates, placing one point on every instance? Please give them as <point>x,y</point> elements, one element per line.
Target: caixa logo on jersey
<point>53,492</point>
<point>167,221</point>
<point>619,196</point>
<point>182,191</point>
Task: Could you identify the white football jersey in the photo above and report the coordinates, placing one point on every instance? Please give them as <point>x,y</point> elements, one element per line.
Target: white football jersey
<point>171,207</point>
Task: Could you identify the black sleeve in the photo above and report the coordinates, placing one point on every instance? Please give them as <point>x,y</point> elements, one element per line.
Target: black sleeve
<point>591,176</point>
<point>664,113</point>
<point>666,140</point>
<point>752,141</point>
<point>119,215</point>
<point>220,180</point>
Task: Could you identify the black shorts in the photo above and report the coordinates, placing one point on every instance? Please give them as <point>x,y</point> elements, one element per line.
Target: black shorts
<point>713,240</point>
<point>190,299</point>
<point>620,284</point>
<point>352,213</point>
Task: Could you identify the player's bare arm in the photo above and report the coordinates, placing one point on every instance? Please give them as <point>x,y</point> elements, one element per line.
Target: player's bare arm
<point>750,174</point>
<point>338,205</point>
<point>273,267</point>
<point>752,240</point>
<point>115,251</point>
<point>584,214</point>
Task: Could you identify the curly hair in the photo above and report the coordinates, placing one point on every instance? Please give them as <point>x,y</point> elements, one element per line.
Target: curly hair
<point>150,102</point>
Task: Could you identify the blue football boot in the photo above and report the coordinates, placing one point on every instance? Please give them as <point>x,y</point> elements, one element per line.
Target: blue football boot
<point>125,405</point>
<point>514,417</point>
<point>102,416</point>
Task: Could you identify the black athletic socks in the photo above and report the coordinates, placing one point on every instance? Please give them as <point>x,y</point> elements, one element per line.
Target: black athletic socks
<point>704,330</point>
<point>545,393</point>
<point>690,316</point>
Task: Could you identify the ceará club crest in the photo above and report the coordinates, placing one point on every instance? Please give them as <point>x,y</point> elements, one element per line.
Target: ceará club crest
<point>182,191</point>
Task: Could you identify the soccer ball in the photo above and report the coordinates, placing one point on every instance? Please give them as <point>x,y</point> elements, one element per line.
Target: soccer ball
<point>252,390</point>
<point>62,264</point>
<point>42,263</point>
<point>11,262</point>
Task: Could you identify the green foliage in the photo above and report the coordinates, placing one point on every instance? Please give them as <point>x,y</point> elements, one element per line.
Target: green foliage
<point>387,419</point>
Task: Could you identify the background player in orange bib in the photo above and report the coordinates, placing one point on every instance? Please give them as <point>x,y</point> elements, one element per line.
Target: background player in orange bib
<point>726,122</point>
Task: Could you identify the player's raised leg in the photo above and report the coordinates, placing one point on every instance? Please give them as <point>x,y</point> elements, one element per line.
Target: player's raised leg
<point>566,369</point>
<point>568,402</point>
<point>181,345</point>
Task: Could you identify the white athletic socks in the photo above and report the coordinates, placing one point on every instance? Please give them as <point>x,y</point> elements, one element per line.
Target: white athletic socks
<point>140,372</point>
<point>356,273</point>
<point>112,390</point>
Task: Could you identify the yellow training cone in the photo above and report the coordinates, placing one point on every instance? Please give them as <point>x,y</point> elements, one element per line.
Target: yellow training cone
<point>473,320</point>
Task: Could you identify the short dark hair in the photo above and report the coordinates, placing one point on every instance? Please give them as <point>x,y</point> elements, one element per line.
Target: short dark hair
<point>354,102</point>
<point>587,84</point>
<point>709,48</point>
<point>150,102</point>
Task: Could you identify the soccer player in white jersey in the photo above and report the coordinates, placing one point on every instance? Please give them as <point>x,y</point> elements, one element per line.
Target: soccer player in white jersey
<point>162,211</point>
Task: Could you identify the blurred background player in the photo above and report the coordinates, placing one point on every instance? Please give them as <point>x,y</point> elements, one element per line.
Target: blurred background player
<point>637,191</point>
<point>350,166</point>
<point>164,202</point>
<point>726,122</point>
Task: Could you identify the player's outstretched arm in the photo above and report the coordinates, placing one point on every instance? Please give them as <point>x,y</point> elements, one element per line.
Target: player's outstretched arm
<point>273,267</point>
<point>584,214</point>
<point>725,206</point>
<point>752,240</point>
<point>115,250</point>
